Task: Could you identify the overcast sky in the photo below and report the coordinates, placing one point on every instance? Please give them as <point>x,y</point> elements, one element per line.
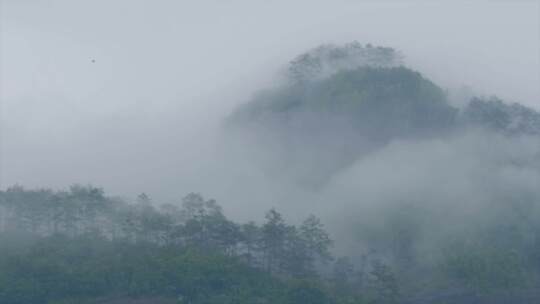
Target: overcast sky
<point>120,93</point>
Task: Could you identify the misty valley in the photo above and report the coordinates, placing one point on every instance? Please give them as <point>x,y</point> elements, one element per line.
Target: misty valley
<point>410,197</point>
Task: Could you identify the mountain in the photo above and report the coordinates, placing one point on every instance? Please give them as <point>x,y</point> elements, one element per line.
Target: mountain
<point>341,103</point>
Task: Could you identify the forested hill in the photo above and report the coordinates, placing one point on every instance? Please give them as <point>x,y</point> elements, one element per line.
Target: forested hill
<point>380,95</point>
<point>341,103</point>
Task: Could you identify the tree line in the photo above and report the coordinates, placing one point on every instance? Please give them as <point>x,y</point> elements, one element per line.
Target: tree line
<point>275,246</point>
<point>68,246</point>
<point>84,222</point>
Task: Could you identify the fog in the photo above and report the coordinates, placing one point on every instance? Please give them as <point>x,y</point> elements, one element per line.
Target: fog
<point>131,95</point>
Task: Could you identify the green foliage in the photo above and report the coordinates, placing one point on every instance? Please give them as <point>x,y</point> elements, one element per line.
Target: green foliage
<point>384,284</point>
<point>306,292</point>
<point>379,102</point>
<point>54,268</point>
<point>81,245</point>
<point>493,114</point>
<point>328,59</point>
<point>482,268</point>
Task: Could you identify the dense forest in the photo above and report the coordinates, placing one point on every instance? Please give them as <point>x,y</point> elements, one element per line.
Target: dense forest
<point>80,246</point>
<point>454,217</point>
<point>67,246</point>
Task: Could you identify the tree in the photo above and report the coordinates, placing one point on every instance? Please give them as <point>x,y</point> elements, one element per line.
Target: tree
<point>144,199</point>
<point>250,235</point>
<point>274,234</point>
<point>316,238</point>
<point>383,283</point>
<point>306,292</point>
<point>343,274</point>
